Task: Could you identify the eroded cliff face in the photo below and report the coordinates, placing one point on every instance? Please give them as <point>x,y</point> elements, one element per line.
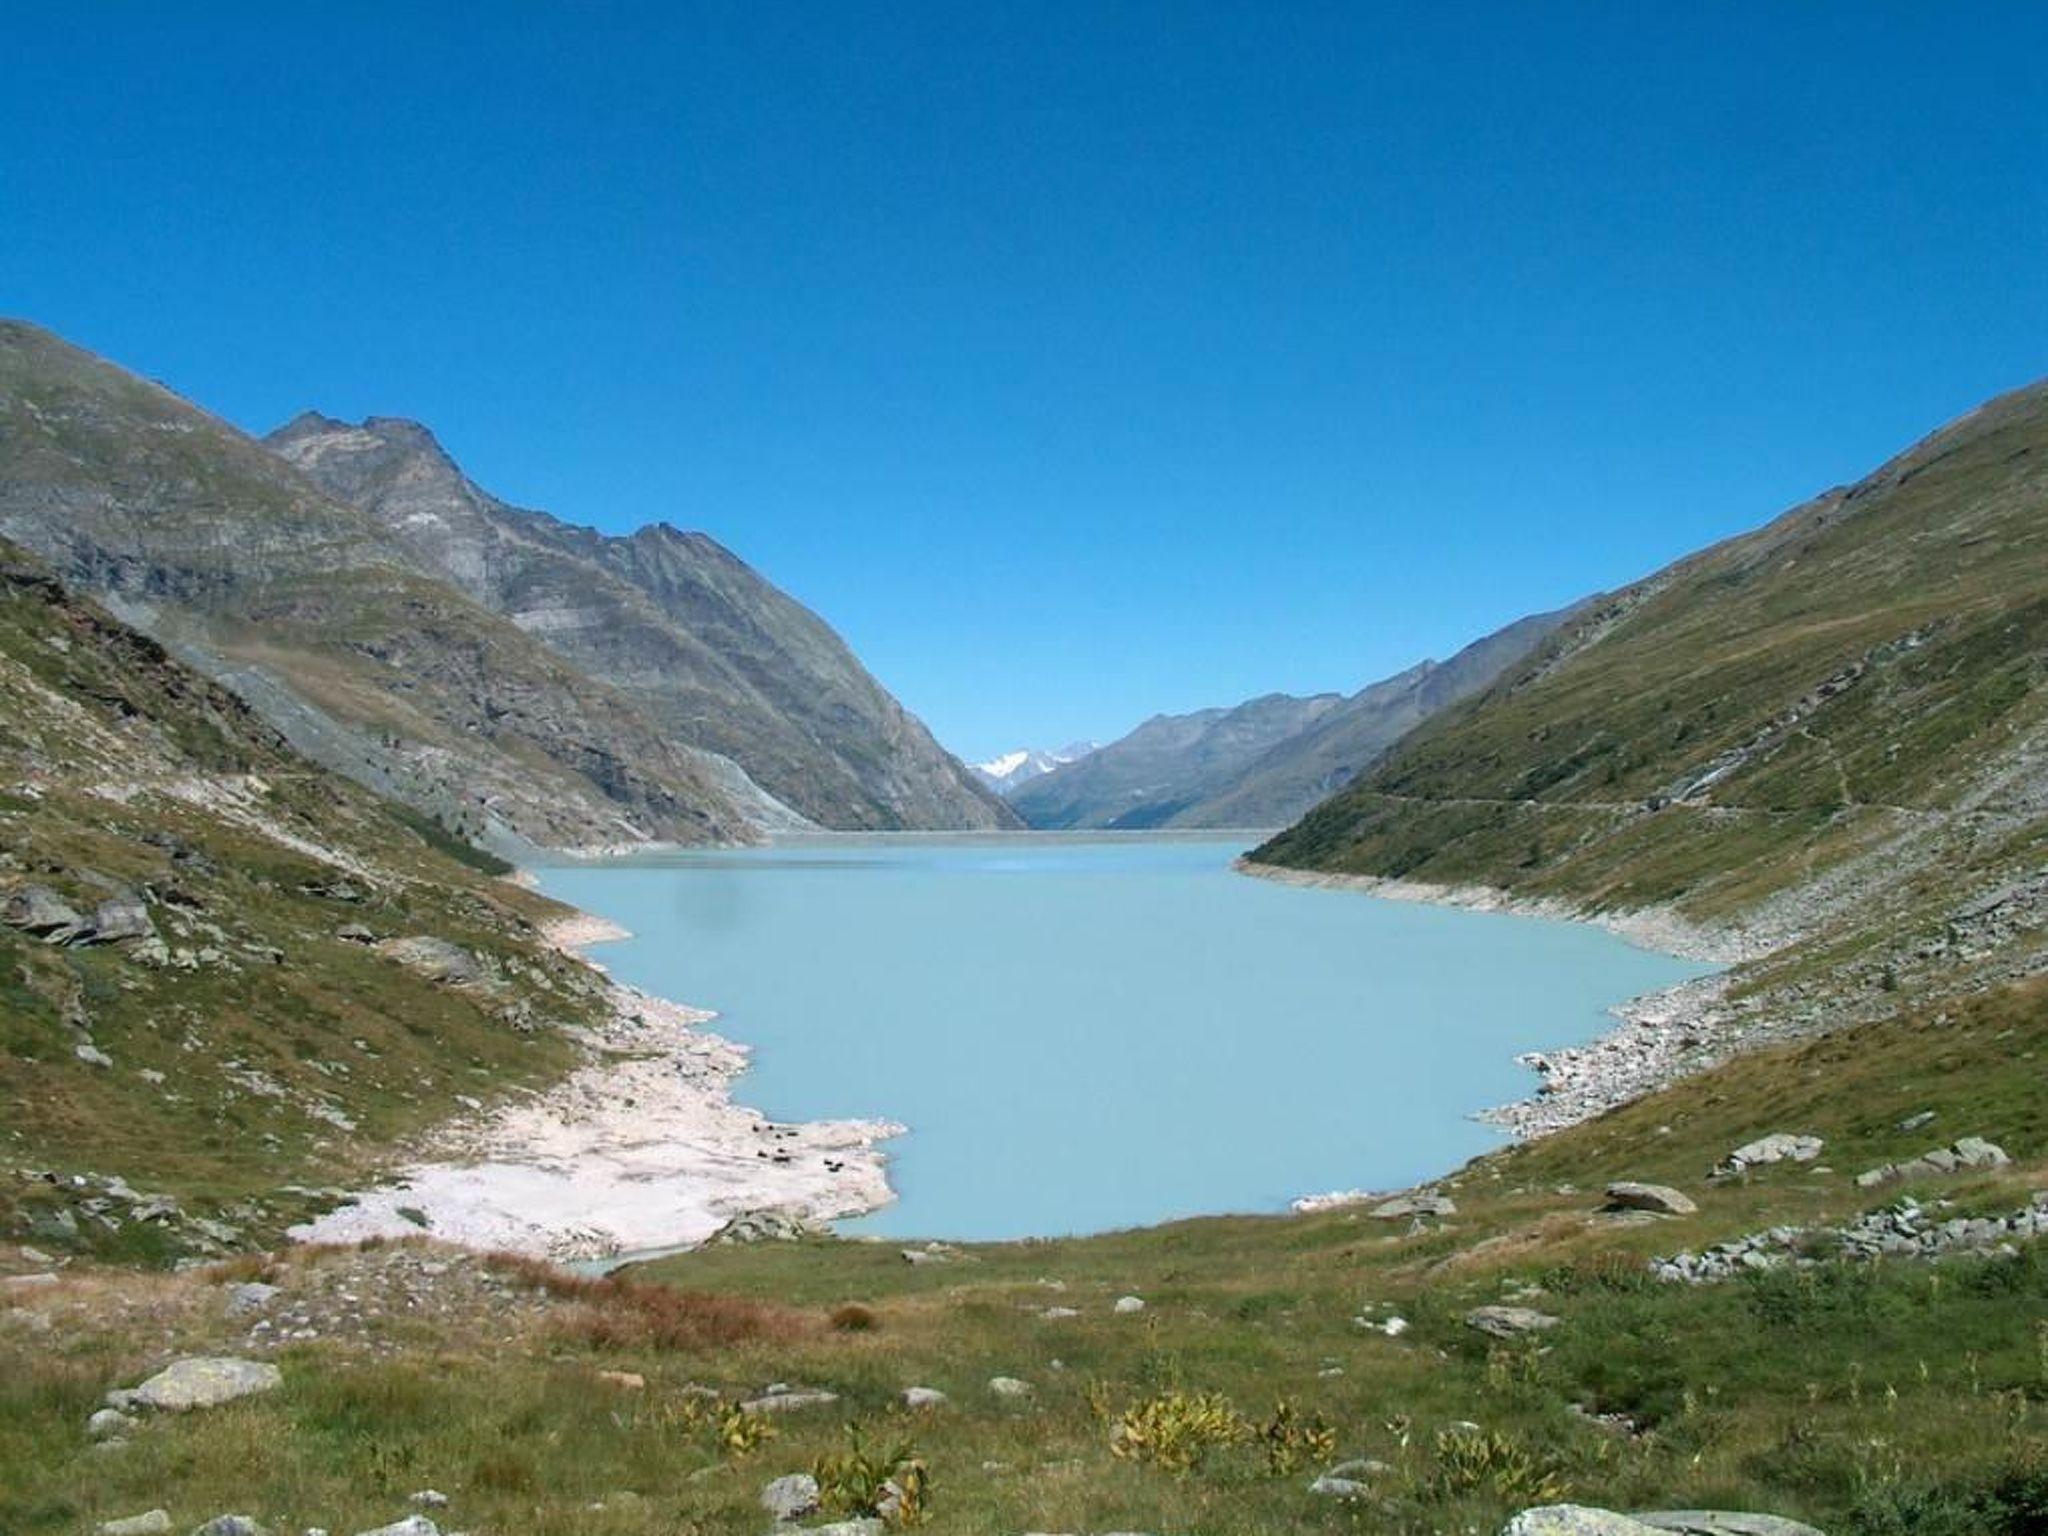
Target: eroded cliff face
<point>325,621</point>
<point>702,645</point>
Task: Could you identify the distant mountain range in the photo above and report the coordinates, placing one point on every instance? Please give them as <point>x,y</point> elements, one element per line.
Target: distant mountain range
<point>511,675</point>
<point>1011,771</point>
<point>1265,762</point>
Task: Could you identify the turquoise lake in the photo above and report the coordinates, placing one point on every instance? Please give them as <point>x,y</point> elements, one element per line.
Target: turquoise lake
<point>1088,1033</point>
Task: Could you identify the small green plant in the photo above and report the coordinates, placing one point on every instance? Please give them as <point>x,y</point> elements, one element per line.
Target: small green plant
<point>893,1485</point>
<point>1468,1461</point>
<point>1292,1441</point>
<point>1177,1430</point>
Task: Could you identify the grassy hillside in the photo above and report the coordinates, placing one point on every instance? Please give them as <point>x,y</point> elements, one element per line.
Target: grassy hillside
<point>246,1033</point>
<point>1874,1398</point>
<point>1838,719</point>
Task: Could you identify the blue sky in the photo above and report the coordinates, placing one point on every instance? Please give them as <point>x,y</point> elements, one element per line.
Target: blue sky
<point>1077,362</point>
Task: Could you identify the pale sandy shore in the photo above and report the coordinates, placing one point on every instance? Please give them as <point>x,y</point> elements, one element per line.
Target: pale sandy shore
<point>640,1148</point>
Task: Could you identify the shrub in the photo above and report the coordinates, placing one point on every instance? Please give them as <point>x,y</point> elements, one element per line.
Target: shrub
<point>1177,1430</point>
<point>1468,1461</point>
<point>853,1317</point>
<point>893,1485</point>
<point>1291,1441</point>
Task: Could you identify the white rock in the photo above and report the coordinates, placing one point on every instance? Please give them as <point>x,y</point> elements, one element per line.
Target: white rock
<point>923,1397</point>
<point>1009,1386</point>
<point>1130,1304</point>
<point>204,1382</point>
<point>153,1523</point>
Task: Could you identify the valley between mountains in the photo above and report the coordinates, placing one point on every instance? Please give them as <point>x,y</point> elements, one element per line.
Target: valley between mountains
<point>279,719</point>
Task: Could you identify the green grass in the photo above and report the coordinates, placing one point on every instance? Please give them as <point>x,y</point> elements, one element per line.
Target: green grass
<point>1849,1395</point>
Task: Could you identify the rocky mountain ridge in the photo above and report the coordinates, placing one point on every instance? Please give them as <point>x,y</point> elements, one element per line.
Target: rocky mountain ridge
<point>709,652</point>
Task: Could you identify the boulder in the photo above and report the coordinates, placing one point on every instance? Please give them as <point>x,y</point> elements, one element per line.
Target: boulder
<point>1126,1305</point>
<point>121,919</point>
<point>204,1382</point>
<point>1509,1322</point>
<point>1722,1522</point>
<point>791,1497</point>
<point>437,960</point>
<point>1403,1206</point>
<point>411,1525</point>
<point>1778,1147</point>
<point>108,1424</point>
<point>1009,1386</point>
<point>1574,1520</point>
<point>1976,1152</point>
<point>788,1401</point>
<point>923,1397</point>
<point>1331,1486</point>
<point>231,1525</point>
<point>1628,1195</point>
<point>155,1522</point>
<point>40,911</point>
<point>252,1297</point>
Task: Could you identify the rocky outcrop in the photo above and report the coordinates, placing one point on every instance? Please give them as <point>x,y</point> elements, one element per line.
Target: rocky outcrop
<point>704,647</point>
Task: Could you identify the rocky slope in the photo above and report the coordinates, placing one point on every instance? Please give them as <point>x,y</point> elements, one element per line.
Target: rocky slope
<point>1268,760</point>
<point>1833,729</point>
<point>706,650</point>
<point>315,614</point>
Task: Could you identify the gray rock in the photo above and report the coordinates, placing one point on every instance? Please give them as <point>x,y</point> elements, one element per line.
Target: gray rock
<point>252,1297</point>
<point>1508,1322</point>
<point>1915,1122</point>
<point>1009,1386</point>
<point>788,1401</point>
<point>1778,1147</point>
<point>1059,1314</point>
<point>38,910</point>
<point>1574,1520</point>
<point>1628,1195</point>
<point>1331,1486</point>
<point>923,1397</point>
<point>108,1424</point>
<point>1360,1468</point>
<point>436,959</point>
<point>1976,1152</point>
<point>411,1525</point>
<point>1413,1205</point>
<point>1129,1304</point>
<point>120,919</point>
<point>1721,1522</point>
<point>231,1525</point>
<point>92,1055</point>
<point>866,1525</point>
<point>204,1382</point>
<point>355,933</point>
<point>155,1522</point>
<point>791,1497</point>
<point>429,1498</point>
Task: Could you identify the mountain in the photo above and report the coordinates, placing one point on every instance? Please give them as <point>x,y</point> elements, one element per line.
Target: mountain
<point>1267,761</point>
<point>1835,724</point>
<point>1012,770</point>
<point>704,648</point>
<point>329,625</point>
<point>196,989</point>
<point>1171,762</point>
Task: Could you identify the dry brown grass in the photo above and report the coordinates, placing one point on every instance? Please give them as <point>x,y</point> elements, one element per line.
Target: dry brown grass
<point>854,1317</point>
<point>611,1312</point>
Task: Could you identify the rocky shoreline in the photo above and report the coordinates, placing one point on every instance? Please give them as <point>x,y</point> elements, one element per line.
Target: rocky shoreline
<point>640,1148</point>
<point>1662,1036</point>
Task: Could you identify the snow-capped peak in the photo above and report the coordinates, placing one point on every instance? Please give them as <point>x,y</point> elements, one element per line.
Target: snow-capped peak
<point>1005,772</point>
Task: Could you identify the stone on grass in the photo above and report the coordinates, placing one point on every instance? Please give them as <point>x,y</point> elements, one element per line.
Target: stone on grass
<point>107,1423</point>
<point>1130,1304</point>
<point>204,1382</point>
<point>429,1498</point>
<point>1009,1386</point>
<point>1508,1322</point>
<point>865,1525</point>
<point>231,1525</point>
<point>411,1525</point>
<point>1778,1147</point>
<point>1574,1520</point>
<point>923,1397</point>
<point>252,1297</point>
<point>1413,1205</point>
<point>787,1400</point>
<point>1629,1195</point>
<point>791,1497</point>
<point>155,1522</point>
<point>1722,1522</point>
<point>38,910</point>
<point>1331,1486</point>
